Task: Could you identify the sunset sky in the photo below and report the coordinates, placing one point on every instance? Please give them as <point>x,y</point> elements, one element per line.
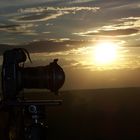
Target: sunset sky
<point>78,33</point>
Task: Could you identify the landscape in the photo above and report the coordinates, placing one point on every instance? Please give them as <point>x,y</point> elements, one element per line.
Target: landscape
<point>88,50</point>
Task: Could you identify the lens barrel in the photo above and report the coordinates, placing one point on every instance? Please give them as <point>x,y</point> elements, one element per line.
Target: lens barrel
<point>49,77</point>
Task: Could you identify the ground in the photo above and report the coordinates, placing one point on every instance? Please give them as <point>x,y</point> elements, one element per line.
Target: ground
<point>112,114</point>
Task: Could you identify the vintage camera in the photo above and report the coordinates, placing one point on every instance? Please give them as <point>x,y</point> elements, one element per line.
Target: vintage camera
<point>16,77</point>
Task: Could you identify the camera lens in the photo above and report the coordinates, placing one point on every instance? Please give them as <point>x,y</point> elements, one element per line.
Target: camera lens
<point>50,77</point>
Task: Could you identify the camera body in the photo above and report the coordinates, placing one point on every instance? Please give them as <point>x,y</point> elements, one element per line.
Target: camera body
<point>11,74</point>
<point>15,77</point>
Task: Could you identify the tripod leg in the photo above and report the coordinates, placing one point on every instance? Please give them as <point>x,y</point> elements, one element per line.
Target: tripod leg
<point>4,124</point>
<point>16,124</point>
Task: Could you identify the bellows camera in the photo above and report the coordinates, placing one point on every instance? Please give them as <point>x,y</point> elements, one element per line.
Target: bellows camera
<point>16,77</point>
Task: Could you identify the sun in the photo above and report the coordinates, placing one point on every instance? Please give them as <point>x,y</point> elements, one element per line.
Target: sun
<point>105,53</point>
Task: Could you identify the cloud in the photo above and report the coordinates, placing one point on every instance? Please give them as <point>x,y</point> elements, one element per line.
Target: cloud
<point>18,28</point>
<point>132,22</point>
<point>37,17</point>
<point>2,26</point>
<point>118,32</point>
<point>47,13</point>
<point>126,4</point>
<point>50,46</point>
<point>117,27</point>
<point>74,54</point>
<point>65,9</point>
<point>54,45</point>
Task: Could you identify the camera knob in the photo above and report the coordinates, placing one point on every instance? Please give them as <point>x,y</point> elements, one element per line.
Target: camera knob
<point>32,109</point>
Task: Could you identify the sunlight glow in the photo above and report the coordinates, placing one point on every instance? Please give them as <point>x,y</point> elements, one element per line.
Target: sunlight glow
<point>105,53</point>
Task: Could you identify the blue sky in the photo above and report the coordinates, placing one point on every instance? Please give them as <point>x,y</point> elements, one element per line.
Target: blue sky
<point>69,29</point>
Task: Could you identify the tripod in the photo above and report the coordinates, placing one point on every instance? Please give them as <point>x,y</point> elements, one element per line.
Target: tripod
<point>27,119</point>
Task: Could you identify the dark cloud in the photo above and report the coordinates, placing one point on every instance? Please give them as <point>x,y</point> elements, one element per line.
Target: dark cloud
<point>9,26</point>
<point>55,46</point>
<point>18,28</point>
<point>117,32</point>
<point>47,46</point>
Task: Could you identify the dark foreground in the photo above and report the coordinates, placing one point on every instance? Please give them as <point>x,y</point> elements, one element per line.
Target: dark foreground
<point>112,114</point>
